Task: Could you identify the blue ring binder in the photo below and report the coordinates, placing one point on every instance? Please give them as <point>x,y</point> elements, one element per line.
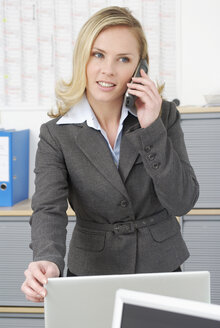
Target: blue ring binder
<point>14,166</point>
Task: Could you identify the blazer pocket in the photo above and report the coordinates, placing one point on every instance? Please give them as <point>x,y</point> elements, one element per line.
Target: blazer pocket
<point>88,240</point>
<point>165,230</point>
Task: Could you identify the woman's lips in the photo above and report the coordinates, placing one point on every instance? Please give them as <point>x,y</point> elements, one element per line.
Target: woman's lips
<point>106,85</point>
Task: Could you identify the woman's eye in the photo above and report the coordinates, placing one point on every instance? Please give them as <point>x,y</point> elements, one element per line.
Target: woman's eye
<point>124,59</point>
<point>98,55</point>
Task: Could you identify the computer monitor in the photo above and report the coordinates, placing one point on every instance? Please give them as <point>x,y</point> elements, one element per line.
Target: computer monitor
<point>143,310</point>
<point>88,301</point>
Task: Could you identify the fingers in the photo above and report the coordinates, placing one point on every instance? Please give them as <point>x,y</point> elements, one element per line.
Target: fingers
<point>36,276</point>
<point>38,270</point>
<point>150,98</point>
<point>145,89</point>
<point>52,270</point>
<point>144,84</point>
<point>30,294</point>
<point>148,101</point>
<point>140,91</point>
<point>33,285</point>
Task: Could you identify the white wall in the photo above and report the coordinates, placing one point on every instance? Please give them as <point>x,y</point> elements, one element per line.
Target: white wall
<point>199,53</point>
<point>198,67</point>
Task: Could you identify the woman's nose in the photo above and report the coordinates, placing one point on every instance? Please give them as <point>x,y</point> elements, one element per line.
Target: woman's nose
<point>108,67</point>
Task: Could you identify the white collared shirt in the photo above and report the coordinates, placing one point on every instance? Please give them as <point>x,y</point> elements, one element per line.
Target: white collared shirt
<point>82,112</point>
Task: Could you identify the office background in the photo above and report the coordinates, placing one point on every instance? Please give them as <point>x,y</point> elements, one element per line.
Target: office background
<point>197,72</point>
<point>189,28</point>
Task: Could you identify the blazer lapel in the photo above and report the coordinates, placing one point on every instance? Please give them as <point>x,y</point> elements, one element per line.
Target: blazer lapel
<point>99,155</point>
<point>129,146</point>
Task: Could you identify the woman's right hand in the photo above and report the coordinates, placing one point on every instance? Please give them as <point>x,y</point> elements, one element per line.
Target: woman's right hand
<point>36,275</point>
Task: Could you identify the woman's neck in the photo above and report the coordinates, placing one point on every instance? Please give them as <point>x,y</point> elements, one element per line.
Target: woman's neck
<point>108,116</point>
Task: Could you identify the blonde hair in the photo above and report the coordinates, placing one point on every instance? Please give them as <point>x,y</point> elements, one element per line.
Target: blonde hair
<point>68,94</point>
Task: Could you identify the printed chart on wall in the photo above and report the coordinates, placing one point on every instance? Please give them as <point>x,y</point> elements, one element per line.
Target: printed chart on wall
<point>37,38</point>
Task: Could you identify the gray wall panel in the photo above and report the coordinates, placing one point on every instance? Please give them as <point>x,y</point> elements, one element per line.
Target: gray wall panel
<point>202,236</point>
<point>21,323</point>
<point>202,137</point>
<point>15,256</point>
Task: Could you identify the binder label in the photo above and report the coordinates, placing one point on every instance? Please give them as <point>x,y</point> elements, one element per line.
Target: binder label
<point>4,159</point>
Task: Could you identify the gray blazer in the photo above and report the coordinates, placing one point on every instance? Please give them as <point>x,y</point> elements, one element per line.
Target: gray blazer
<point>125,217</point>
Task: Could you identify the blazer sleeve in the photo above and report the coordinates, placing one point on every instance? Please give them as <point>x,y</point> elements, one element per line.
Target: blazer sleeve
<point>49,202</point>
<point>166,160</point>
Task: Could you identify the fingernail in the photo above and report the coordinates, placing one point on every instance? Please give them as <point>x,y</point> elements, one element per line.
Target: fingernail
<point>43,294</point>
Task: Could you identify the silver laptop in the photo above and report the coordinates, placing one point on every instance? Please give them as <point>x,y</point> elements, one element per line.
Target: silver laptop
<point>88,302</point>
<point>140,310</point>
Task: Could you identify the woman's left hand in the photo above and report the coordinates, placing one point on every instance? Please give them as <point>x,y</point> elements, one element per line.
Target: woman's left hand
<point>148,102</point>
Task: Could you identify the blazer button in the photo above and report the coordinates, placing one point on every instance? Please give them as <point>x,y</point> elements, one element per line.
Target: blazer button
<point>147,148</point>
<point>124,203</point>
<point>156,165</point>
<point>151,157</point>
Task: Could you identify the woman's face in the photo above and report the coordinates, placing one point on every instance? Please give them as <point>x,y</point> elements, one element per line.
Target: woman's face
<point>113,60</point>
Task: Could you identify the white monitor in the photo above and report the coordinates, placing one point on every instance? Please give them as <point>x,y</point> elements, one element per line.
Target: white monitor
<point>88,302</point>
<point>143,310</point>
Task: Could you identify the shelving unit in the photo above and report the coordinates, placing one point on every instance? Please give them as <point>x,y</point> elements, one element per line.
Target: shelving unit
<point>201,227</point>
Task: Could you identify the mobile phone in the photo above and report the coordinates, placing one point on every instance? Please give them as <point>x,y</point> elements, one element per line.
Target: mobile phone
<point>130,99</point>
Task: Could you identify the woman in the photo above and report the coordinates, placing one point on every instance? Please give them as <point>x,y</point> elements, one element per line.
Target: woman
<point>125,172</point>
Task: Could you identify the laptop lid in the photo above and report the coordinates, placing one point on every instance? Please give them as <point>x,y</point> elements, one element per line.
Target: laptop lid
<point>88,301</point>
<point>141,310</point>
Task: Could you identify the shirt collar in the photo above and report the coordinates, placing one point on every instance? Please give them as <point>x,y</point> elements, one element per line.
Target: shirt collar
<point>82,112</point>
